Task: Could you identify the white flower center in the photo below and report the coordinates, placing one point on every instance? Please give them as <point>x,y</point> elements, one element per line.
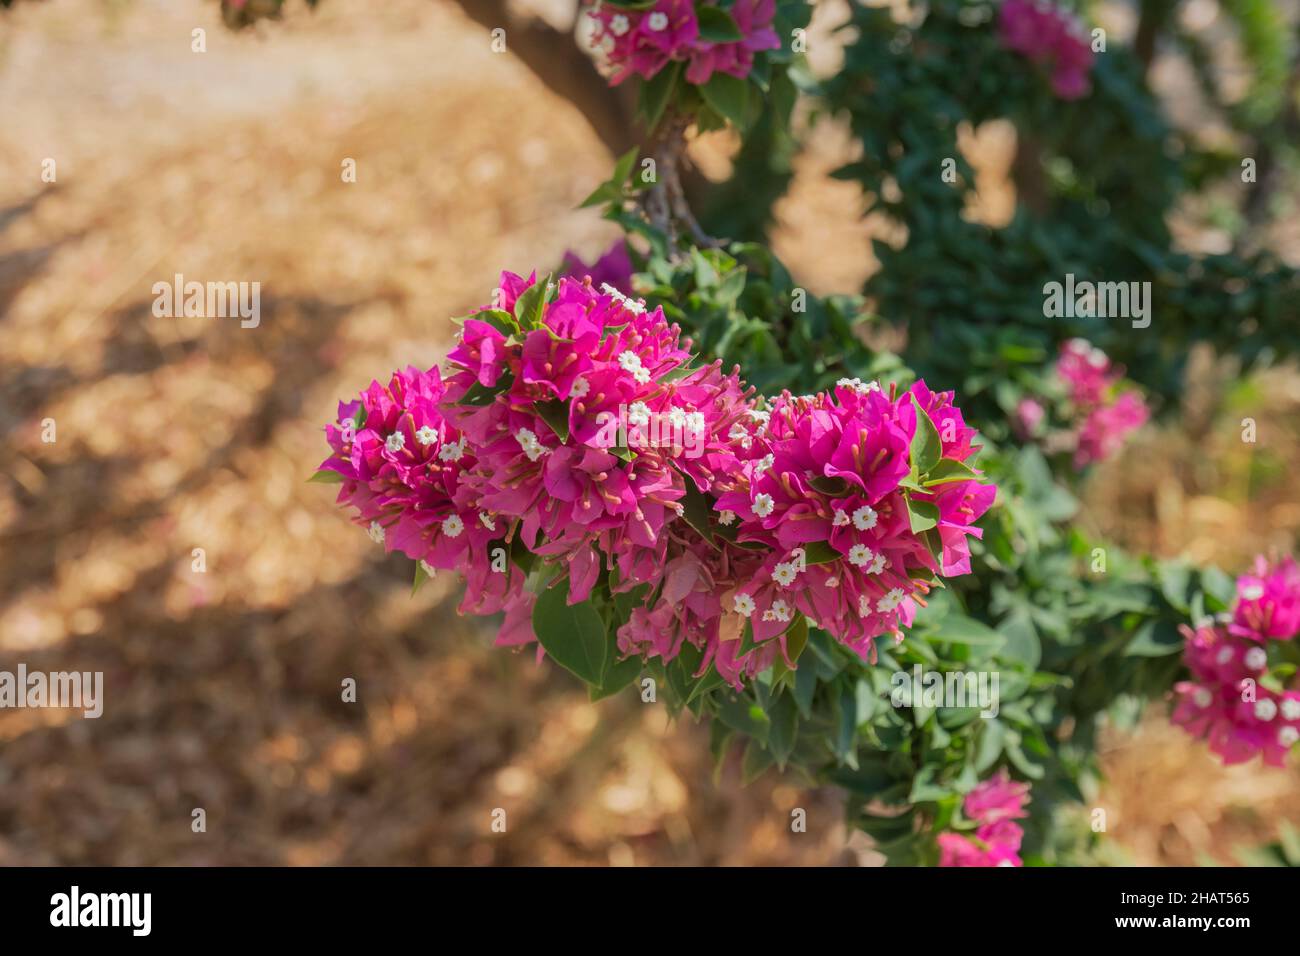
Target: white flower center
<point>452,526</point>
<point>763,505</point>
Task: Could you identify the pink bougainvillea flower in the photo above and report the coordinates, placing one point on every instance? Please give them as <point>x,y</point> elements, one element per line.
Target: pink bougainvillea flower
<point>641,42</point>
<point>993,805</point>
<point>1227,702</point>
<point>579,432</point>
<point>1107,427</point>
<point>1268,601</point>
<point>1051,37</point>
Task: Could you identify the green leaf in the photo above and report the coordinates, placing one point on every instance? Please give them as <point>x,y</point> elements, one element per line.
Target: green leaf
<point>556,414</point>
<point>480,395</point>
<point>927,449</point>
<point>617,676</point>
<point>728,95</point>
<point>531,304</point>
<point>784,714</point>
<point>949,470</point>
<point>696,510</point>
<point>923,515</point>
<point>819,552</point>
<point>421,576</point>
<point>500,320</point>
<point>656,93</point>
<point>326,477</point>
<point>573,635</point>
<point>960,629</point>
<point>716,25</point>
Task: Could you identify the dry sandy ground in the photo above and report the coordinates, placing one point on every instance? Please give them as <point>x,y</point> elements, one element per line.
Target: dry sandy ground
<point>223,687</point>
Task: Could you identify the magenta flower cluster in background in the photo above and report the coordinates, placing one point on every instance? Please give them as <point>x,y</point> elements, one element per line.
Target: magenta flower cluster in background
<point>1099,416</point>
<point>1052,38</point>
<point>994,806</point>
<point>572,424</point>
<point>613,267</point>
<point>644,41</point>
<point>1230,700</point>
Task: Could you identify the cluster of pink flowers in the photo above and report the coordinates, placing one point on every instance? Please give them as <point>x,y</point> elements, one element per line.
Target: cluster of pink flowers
<point>1052,37</point>
<point>644,40</point>
<point>1227,702</point>
<point>1102,417</point>
<point>994,805</point>
<point>572,424</point>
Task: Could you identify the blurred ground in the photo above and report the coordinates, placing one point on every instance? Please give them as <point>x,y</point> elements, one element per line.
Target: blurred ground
<point>223,687</point>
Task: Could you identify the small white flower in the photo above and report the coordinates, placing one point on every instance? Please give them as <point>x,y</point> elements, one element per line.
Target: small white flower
<point>452,451</point>
<point>860,555</point>
<point>1265,709</point>
<point>858,385</point>
<point>841,518</point>
<point>396,442</point>
<point>1225,655</point>
<point>528,442</point>
<point>1287,736</point>
<point>676,417</point>
<point>428,568</point>
<point>759,416</point>
<point>763,505</point>
<point>1257,658</point>
<point>744,605</point>
<point>579,388</point>
<point>488,521</point>
<point>376,532</point>
<point>638,413</point>
<point>878,564</point>
<point>427,436</point>
<point>642,376</point>
<point>619,25</point>
<point>1202,698</point>
<point>865,518</point>
<point>864,605</point>
<point>1291,708</point>
<point>695,423</point>
<point>781,611</point>
<point>629,361</point>
<point>452,526</point>
<point>725,517</point>
<point>784,574</point>
<point>1252,592</point>
<point>738,432</point>
<point>890,600</point>
<point>763,464</point>
<point>832,582</point>
<point>657,21</point>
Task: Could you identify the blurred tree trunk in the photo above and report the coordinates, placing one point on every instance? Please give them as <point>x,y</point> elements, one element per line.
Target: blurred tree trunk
<point>554,57</point>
